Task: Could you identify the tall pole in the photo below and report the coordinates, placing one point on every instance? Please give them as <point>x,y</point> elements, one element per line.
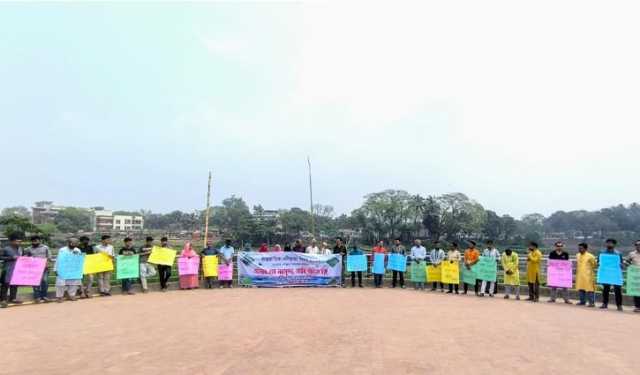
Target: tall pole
<point>206,217</point>
<point>313,219</point>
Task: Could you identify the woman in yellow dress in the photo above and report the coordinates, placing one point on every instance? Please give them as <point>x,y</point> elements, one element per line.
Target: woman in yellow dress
<point>586,265</point>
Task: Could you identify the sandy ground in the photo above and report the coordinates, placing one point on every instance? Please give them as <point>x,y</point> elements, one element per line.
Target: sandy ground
<point>315,331</point>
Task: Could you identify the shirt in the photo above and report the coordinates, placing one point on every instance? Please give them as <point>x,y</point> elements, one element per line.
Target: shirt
<point>341,249</point>
<point>355,251</point>
<point>227,252</point>
<point>124,250</point>
<point>42,251</point>
<point>108,249</point>
<point>145,249</point>
<point>210,251</point>
<point>298,249</point>
<point>418,253</point>
<point>436,256</point>
<point>86,249</point>
<point>471,256</point>
<point>633,259</point>
<point>313,250</point>
<point>493,253</point>
<point>562,256</point>
<point>9,255</point>
<point>454,256</point>
<point>398,249</point>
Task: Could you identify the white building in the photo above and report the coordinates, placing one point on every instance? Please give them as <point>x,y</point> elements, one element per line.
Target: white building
<point>128,222</point>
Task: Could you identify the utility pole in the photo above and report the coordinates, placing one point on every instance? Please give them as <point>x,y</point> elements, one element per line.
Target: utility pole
<point>206,217</point>
<point>313,219</point>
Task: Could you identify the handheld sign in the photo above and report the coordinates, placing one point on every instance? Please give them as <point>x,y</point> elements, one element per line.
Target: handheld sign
<point>162,256</point>
<point>633,281</point>
<point>418,272</point>
<point>69,266</point>
<point>188,266</point>
<point>210,266</point>
<point>127,267</point>
<point>356,263</point>
<point>225,272</point>
<point>450,272</point>
<point>28,271</point>
<point>486,269</point>
<point>609,270</point>
<point>559,273</point>
<point>468,276</point>
<point>434,273</point>
<point>378,264</point>
<point>96,263</point>
<point>397,262</point>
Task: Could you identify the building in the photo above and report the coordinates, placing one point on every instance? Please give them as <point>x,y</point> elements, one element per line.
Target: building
<point>128,222</point>
<point>45,212</point>
<point>101,219</point>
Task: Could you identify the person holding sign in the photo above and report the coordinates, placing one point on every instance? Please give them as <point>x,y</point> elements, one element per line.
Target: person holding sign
<point>190,281</point>
<point>65,283</point>
<point>211,252</point>
<point>559,254</point>
<point>494,254</point>
<point>534,258</point>
<point>586,265</point>
<point>127,250</point>
<point>436,256</point>
<point>146,269</point>
<point>418,257</point>
<point>226,253</point>
<point>611,271</point>
<point>510,263</point>
<point>104,278</point>
<point>86,248</point>
<point>340,249</point>
<point>633,260</point>
<point>378,272</point>
<point>164,271</point>
<point>9,255</point>
<point>397,249</point>
<point>471,257</point>
<point>356,251</point>
<point>38,250</point>
<point>453,255</point>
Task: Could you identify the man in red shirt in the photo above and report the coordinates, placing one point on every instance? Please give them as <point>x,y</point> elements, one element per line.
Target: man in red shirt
<point>377,277</point>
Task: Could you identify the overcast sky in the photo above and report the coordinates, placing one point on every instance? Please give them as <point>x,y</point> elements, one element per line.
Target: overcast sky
<point>524,107</point>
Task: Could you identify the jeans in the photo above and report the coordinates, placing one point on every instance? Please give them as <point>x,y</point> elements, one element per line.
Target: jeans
<point>377,280</point>
<point>353,278</point>
<point>617,290</point>
<point>164,274</point>
<point>40,292</point>
<point>126,284</point>
<point>584,296</point>
<point>395,278</point>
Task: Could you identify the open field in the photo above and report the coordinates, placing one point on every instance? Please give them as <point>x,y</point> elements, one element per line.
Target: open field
<point>315,331</point>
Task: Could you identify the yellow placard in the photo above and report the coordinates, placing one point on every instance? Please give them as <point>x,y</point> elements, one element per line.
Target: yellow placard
<point>162,255</point>
<point>95,263</point>
<point>210,266</point>
<point>434,273</point>
<point>450,272</point>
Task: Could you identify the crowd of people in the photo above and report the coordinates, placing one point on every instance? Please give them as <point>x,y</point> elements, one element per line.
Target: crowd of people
<point>585,277</point>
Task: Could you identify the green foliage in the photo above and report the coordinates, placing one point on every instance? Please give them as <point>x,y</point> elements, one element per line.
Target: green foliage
<point>14,224</point>
<point>16,211</point>
<point>72,220</point>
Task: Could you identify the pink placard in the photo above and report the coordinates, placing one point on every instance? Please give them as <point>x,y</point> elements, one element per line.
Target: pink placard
<point>188,266</point>
<point>225,272</point>
<point>28,271</point>
<point>559,273</point>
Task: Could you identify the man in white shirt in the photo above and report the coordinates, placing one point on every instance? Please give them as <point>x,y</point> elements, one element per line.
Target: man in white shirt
<point>104,278</point>
<point>313,248</point>
<point>492,252</point>
<point>437,255</point>
<point>418,255</point>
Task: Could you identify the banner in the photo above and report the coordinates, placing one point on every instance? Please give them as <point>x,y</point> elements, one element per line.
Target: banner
<point>434,273</point>
<point>289,269</point>
<point>225,271</point>
<point>162,255</point>
<point>418,272</point>
<point>633,281</point>
<point>28,271</point>
<point>486,269</point>
<point>188,266</point>
<point>127,267</point>
<point>609,269</point>
<point>356,263</point>
<point>397,262</point>
<point>96,263</point>
<point>69,266</point>
<point>378,264</point>
<point>468,276</point>
<point>210,266</point>
<point>450,272</point>
<point>559,273</point>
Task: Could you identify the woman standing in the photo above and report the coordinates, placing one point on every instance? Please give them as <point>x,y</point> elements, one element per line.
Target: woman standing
<point>188,281</point>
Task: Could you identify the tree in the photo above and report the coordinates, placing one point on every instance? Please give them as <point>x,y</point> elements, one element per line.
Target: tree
<point>21,211</point>
<point>14,224</point>
<point>295,221</point>
<point>72,220</point>
<point>233,218</point>
<point>387,210</point>
<point>432,217</point>
<point>493,225</point>
<point>509,226</point>
<point>461,215</point>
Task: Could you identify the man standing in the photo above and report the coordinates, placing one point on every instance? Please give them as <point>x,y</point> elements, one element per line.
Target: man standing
<point>377,277</point>
<point>397,249</point>
<point>298,247</point>
<point>67,285</point>
<point>227,257</point>
<point>633,259</point>
<point>586,265</point>
<point>86,248</point>
<point>494,254</point>
<point>471,257</point>
<point>313,248</point>
<point>127,250</point>
<point>355,251</point>
<point>418,256</point>
<point>146,269</point>
<point>606,288</point>
<point>559,254</point>
<point>9,255</point>
<point>164,271</point>
<point>341,249</point>
<point>104,278</point>
<point>454,255</point>
<point>510,264</point>
<point>209,251</point>
<point>436,256</point>
<point>534,258</point>
<point>38,250</point>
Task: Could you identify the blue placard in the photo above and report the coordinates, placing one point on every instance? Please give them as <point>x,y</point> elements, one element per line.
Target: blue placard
<point>356,263</point>
<point>378,263</point>
<point>398,262</point>
<point>69,266</point>
<point>609,270</point>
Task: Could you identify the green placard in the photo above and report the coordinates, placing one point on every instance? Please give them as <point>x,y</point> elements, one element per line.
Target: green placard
<point>418,272</point>
<point>468,276</point>
<point>486,269</point>
<point>127,266</point>
<point>633,281</point>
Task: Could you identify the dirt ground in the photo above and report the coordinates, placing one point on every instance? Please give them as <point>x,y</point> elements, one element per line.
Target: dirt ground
<point>315,331</point>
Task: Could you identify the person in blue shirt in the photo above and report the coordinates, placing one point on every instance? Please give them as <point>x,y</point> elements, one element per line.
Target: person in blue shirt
<point>606,288</point>
<point>355,251</point>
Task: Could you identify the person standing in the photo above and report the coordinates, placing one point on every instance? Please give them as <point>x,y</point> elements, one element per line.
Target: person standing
<point>510,264</point>
<point>471,257</point>
<point>379,249</point>
<point>164,271</point>
<point>86,248</point>
<point>453,255</point>
<point>610,245</point>
<point>38,250</point>
<point>437,255</point>
<point>127,250</point>
<point>586,266</point>
<point>298,247</point>
<point>104,278</point>
<point>559,254</point>
<point>633,259</point>
<point>341,249</point>
<point>287,247</point>
<point>70,286</point>
<point>494,254</point>
<point>146,269</point>
<point>398,249</point>
<point>534,258</point>
<point>210,251</point>
<point>188,282</point>
<point>226,252</point>
<point>418,258</point>
<point>9,255</point>
<point>313,248</point>
<point>263,248</point>
<point>356,251</point>
<point>325,250</point>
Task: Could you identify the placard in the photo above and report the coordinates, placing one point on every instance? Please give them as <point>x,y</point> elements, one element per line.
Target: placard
<point>356,263</point>
<point>434,273</point>
<point>162,256</point>
<point>188,266</point>
<point>127,267</point>
<point>378,263</point>
<point>96,263</point>
<point>450,272</point>
<point>28,271</point>
<point>69,266</point>
<point>418,272</point>
<point>486,269</point>
<point>559,273</point>
<point>210,266</point>
<point>609,270</point>
<point>397,262</point>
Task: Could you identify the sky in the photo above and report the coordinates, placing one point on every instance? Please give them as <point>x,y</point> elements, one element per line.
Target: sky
<point>523,106</point>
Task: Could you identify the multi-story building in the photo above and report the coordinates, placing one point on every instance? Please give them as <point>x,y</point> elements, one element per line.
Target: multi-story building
<point>101,219</point>
<point>44,212</point>
<point>128,222</point>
